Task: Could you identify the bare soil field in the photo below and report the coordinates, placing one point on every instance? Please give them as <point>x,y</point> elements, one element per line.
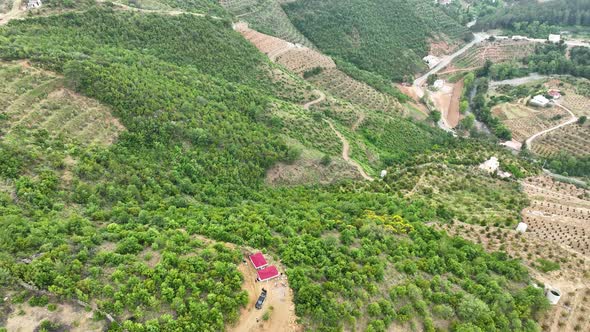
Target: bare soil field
<point>525,121</point>
<point>496,51</point>
<point>446,100</point>
<point>558,225</point>
<point>25,318</point>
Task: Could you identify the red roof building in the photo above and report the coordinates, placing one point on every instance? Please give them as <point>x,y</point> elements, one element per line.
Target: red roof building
<point>268,273</point>
<point>258,260</point>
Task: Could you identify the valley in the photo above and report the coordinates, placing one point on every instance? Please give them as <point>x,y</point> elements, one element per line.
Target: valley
<point>149,147</point>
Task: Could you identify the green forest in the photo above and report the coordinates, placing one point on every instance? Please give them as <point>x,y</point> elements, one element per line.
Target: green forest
<point>537,19</point>
<point>199,110</point>
<point>389,38</point>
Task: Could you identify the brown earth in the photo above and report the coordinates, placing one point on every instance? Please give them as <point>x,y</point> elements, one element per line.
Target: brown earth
<point>279,304</point>
<point>453,115</point>
<point>25,318</point>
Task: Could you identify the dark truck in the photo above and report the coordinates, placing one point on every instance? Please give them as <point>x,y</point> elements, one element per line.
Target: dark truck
<point>261,299</point>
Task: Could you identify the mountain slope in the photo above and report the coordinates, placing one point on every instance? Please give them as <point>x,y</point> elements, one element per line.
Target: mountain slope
<point>386,37</point>
<point>124,230</point>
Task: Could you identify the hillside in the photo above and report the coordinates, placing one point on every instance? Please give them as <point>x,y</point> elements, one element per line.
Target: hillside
<point>149,223</point>
<point>530,17</point>
<point>365,34</point>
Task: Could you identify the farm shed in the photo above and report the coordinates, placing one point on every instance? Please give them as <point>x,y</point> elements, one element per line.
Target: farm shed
<point>540,101</point>
<point>32,4</point>
<point>268,273</point>
<point>554,38</point>
<point>258,260</point>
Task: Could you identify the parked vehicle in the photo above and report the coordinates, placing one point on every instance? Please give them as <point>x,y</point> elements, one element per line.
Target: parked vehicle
<point>261,299</point>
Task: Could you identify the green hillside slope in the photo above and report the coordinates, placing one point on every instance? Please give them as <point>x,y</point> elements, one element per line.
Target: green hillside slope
<point>198,132</point>
<point>386,37</point>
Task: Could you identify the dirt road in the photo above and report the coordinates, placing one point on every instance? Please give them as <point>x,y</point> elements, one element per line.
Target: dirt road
<point>346,153</point>
<point>445,61</point>
<point>317,101</point>
<point>573,119</point>
<point>15,12</point>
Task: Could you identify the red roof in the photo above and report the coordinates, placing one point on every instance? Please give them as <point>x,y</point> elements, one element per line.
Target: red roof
<point>258,260</point>
<point>268,273</point>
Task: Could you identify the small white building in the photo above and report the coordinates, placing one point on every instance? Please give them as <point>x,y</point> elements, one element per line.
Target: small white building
<point>554,38</point>
<point>503,175</point>
<point>383,173</point>
<point>32,4</point>
<point>521,228</point>
<point>518,37</point>
<point>490,166</point>
<point>431,61</point>
<point>539,101</point>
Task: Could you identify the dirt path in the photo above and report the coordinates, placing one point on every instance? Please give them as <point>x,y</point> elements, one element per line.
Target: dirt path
<point>317,101</point>
<point>15,12</point>
<point>573,119</point>
<point>346,153</point>
<point>358,122</point>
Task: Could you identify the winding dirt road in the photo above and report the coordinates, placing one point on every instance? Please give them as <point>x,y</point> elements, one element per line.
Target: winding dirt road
<point>573,119</point>
<point>346,153</point>
<point>316,101</point>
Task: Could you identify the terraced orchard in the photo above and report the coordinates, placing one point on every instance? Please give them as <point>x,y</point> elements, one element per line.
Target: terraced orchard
<point>559,213</point>
<point>574,94</point>
<point>496,51</point>
<point>266,16</point>
<point>525,121</point>
<point>573,139</point>
<point>36,100</point>
<point>570,276</point>
<point>296,58</point>
<point>343,86</point>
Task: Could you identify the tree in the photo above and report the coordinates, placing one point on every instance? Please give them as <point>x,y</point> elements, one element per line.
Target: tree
<point>435,116</point>
<point>582,120</point>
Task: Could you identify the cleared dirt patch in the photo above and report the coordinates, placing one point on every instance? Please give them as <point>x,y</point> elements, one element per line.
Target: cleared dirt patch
<point>25,318</point>
<point>278,304</point>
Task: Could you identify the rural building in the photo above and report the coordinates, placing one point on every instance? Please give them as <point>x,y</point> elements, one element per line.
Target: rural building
<point>383,173</point>
<point>503,175</point>
<point>517,37</point>
<point>32,4</point>
<point>539,100</point>
<point>521,228</point>
<point>268,273</point>
<point>490,166</point>
<point>258,260</point>
<point>431,61</point>
<point>554,38</point>
<point>443,2</point>
<point>555,94</point>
